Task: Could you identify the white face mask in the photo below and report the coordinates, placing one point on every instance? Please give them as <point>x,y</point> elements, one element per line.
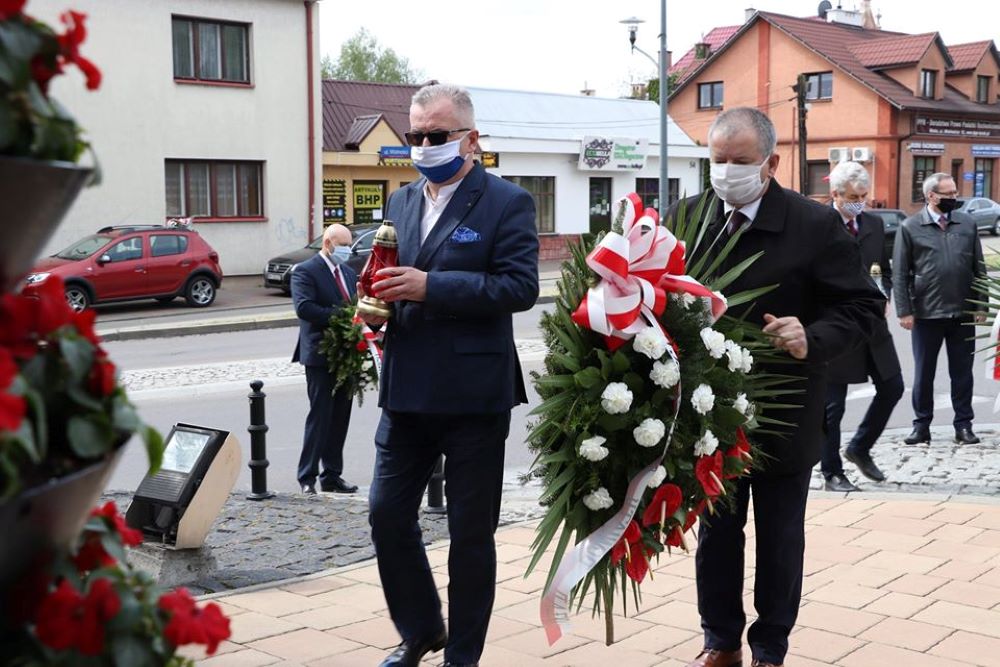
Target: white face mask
<point>737,184</point>
<point>852,208</point>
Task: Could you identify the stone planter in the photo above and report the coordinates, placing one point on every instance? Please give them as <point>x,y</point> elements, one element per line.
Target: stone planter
<point>35,196</point>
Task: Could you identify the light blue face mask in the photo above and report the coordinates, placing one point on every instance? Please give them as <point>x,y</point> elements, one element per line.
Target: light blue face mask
<point>339,254</point>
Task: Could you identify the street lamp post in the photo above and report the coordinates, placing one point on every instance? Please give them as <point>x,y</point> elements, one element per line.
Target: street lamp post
<point>632,24</point>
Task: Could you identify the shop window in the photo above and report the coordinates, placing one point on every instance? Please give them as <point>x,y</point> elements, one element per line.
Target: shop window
<point>984,178</point>
<point>543,191</point>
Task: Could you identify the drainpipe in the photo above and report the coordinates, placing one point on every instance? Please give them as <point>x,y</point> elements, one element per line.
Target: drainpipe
<point>311,116</point>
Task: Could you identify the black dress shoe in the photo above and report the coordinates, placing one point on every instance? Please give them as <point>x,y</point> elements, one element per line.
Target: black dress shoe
<point>866,466</point>
<point>337,485</point>
<point>409,654</point>
<point>918,436</point>
<point>965,436</point>
<point>309,489</point>
<point>460,664</point>
<point>840,484</point>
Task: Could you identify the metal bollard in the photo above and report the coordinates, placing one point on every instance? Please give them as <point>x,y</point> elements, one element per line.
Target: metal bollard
<point>435,489</point>
<point>258,444</point>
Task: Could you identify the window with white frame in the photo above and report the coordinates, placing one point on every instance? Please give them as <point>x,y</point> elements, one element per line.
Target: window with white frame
<point>214,189</point>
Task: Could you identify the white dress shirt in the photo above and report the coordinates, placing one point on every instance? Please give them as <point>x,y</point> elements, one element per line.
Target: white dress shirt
<point>433,208</point>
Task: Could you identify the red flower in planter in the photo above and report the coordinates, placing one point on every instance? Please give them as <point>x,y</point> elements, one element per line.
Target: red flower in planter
<point>17,318</point>
<point>630,547</point>
<point>102,376</point>
<point>100,606</point>
<point>130,536</point>
<point>57,625</point>
<point>11,8</point>
<point>70,42</point>
<point>84,323</point>
<point>190,625</point>
<point>91,554</point>
<point>708,470</point>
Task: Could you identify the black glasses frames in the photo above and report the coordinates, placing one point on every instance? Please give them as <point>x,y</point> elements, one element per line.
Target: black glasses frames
<point>434,137</point>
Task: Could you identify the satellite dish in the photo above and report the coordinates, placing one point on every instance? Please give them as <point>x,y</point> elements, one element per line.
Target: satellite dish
<point>823,8</point>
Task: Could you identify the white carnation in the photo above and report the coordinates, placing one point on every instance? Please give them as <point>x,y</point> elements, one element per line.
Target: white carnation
<point>659,475</point>
<point>649,432</point>
<point>703,399</point>
<point>735,354</point>
<point>650,342</point>
<point>714,341</point>
<point>684,299</point>
<point>593,449</point>
<point>741,403</point>
<point>747,361</point>
<point>598,500</point>
<point>665,374</point>
<point>706,444</point>
<point>616,399</point>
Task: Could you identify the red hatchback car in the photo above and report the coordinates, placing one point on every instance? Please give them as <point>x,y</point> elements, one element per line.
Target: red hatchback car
<point>134,262</point>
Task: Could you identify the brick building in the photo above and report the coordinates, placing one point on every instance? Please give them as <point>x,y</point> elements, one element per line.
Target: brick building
<point>904,105</point>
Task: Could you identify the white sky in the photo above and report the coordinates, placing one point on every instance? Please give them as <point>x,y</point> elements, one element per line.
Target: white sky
<point>558,45</point>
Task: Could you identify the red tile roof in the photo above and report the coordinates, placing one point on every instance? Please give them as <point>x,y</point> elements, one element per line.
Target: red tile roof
<point>967,56</point>
<point>840,44</point>
<point>715,39</point>
<point>345,102</point>
<point>892,51</point>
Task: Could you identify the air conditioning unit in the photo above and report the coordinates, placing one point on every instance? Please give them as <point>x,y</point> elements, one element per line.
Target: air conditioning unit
<point>861,154</point>
<point>840,154</point>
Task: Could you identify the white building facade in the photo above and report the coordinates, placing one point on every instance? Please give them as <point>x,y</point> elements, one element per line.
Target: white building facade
<point>578,155</point>
<point>207,109</point>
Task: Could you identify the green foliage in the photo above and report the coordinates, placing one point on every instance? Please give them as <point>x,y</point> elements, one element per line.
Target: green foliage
<point>362,58</point>
<point>347,354</point>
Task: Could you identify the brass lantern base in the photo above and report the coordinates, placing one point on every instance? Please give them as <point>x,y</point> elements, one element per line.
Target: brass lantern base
<point>374,307</point>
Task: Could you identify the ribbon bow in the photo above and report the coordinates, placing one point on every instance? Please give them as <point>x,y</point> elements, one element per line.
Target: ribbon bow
<point>637,268</point>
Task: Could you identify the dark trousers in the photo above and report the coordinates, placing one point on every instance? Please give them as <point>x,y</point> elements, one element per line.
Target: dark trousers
<point>407,446</point>
<point>887,394</point>
<point>779,504</point>
<point>957,338</point>
<point>326,428</point>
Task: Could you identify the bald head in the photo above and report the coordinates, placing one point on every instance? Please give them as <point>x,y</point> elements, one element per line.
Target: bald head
<point>335,235</point>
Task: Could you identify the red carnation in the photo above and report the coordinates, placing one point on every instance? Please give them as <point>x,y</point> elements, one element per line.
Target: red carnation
<point>190,625</point>
<point>102,377</point>
<point>11,8</point>
<point>362,346</point>
<point>708,470</point>
<point>665,502</point>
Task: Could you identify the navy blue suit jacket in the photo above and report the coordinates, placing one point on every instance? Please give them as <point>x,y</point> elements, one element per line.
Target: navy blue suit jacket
<point>316,296</point>
<point>454,352</point>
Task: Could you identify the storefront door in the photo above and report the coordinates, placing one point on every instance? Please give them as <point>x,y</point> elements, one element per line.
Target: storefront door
<point>600,205</point>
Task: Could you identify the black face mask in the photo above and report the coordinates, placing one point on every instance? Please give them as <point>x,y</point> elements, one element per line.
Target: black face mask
<point>947,204</point>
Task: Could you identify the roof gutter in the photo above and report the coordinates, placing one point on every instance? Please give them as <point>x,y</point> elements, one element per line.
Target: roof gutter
<point>311,118</point>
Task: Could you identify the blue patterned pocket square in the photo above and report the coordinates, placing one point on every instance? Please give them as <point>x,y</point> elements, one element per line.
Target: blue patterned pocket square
<point>465,235</point>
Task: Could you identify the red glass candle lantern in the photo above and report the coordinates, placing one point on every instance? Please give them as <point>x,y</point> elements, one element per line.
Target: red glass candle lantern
<point>385,253</point>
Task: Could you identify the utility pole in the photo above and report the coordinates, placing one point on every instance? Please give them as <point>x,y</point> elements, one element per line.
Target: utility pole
<point>800,90</point>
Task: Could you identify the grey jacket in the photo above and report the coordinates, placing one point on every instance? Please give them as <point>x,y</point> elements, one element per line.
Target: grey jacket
<point>933,269</point>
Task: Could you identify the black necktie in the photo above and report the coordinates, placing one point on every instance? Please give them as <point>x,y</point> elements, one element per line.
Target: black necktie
<point>736,220</point>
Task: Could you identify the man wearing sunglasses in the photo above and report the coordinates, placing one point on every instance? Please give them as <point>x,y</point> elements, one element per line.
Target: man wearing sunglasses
<point>468,259</point>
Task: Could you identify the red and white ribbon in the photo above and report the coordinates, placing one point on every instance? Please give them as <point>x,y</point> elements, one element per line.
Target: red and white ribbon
<point>372,339</point>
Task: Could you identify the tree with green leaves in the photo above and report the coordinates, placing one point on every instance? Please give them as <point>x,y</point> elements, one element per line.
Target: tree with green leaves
<point>362,58</point>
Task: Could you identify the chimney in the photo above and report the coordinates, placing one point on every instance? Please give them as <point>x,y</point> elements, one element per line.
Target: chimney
<point>748,14</point>
<point>702,50</point>
<point>845,17</point>
<point>867,17</point>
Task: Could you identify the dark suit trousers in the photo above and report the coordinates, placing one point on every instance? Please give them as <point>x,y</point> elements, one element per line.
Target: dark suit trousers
<point>326,428</point>
<point>888,391</point>
<point>779,504</point>
<point>928,335</point>
<point>407,446</point>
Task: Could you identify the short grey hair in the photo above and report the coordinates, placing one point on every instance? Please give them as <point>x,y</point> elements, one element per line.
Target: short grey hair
<point>459,97</point>
<point>932,181</point>
<point>731,121</point>
<point>849,173</point>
